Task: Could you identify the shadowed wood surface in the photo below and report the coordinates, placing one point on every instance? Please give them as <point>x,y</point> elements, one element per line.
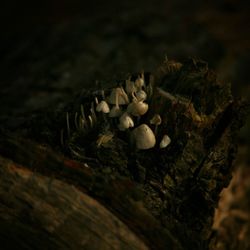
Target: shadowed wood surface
<point>37,211</point>
<point>121,197</point>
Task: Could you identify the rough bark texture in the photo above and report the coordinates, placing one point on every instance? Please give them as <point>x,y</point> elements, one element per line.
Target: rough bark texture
<point>121,197</point>
<point>39,212</point>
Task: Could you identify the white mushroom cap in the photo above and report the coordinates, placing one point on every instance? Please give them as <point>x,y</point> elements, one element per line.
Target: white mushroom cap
<point>115,112</point>
<point>136,108</point>
<point>141,95</point>
<point>103,107</point>
<point>156,120</point>
<point>139,83</point>
<point>125,122</point>
<point>121,99</point>
<point>165,141</point>
<point>144,137</point>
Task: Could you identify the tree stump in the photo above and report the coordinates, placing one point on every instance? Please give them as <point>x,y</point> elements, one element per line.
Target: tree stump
<point>95,190</point>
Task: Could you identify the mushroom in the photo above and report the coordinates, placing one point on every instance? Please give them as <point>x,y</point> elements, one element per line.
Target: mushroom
<point>156,120</point>
<point>136,108</point>
<point>103,107</point>
<point>165,141</point>
<point>139,82</point>
<point>125,122</point>
<point>144,137</point>
<point>116,111</point>
<point>141,95</point>
<point>118,97</point>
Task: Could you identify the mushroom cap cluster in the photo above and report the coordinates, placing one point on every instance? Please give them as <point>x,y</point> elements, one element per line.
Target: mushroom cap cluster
<point>120,94</point>
<point>133,104</point>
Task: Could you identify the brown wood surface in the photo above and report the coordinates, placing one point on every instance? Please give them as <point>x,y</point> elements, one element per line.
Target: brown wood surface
<point>37,175</point>
<point>37,212</point>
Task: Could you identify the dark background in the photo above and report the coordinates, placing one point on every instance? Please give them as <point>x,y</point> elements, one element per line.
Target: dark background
<point>50,50</point>
<point>66,45</point>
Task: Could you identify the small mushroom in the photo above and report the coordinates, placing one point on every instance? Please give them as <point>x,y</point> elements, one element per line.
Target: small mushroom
<point>125,122</point>
<point>118,96</point>
<point>137,108</point>
<point>116,111</point>
<point>165,141</point>
<point>103,107</point>
<point>156,120</point>
<point>141,95</point>
<point>91,123</point>
<point>139,83</point>
<point>144,137</point>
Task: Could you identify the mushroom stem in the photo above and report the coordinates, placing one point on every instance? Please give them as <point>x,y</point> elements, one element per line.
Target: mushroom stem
<point>92,110</point>
<point>83,116</point>
<point>156,130</point>
<point>90,121</point>
<point>156,120</point>
<point>82,123</point>
<point>116,99</point>
<point>68,127</point>
<point>96,100</point>
<point>134,97</point>
<point>76,124</point>
<point>142,75</point>
<point>166,94</point>
<point>124,95</point>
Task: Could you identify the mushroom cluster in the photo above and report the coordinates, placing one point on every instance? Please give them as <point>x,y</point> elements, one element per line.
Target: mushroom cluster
<point>123,108</point>
<point>127,105</point>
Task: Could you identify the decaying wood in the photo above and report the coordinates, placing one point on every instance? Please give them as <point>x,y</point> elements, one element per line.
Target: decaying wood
<point>160,198</point>
<point>38,211</point>
<point>121,197</point>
